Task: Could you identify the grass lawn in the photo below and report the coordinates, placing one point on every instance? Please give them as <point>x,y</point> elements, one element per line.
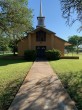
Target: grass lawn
<point>70,73</point>
<point>12,74</point>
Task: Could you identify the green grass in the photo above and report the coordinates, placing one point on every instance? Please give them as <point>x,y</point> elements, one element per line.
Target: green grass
<point>70,73</point>
<point>12,74</point>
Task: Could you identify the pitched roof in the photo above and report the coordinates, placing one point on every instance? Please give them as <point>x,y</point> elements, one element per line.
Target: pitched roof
<point>42,28</point>
<point>49,31</point>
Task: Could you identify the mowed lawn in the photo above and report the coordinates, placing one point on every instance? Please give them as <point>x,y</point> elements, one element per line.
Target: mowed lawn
<point>70,73</point>
<point>12,74</point>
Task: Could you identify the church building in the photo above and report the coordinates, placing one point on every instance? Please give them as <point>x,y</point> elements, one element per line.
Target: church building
<point>41,38</point>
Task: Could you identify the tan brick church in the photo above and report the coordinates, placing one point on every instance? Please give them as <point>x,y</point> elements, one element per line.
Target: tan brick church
<point>41,39</point>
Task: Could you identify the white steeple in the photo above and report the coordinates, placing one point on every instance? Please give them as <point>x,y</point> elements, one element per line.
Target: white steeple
<point>41,18</point>
<point>41,14</point>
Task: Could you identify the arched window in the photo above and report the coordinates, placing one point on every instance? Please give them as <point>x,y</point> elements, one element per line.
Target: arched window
<point>41,36</point>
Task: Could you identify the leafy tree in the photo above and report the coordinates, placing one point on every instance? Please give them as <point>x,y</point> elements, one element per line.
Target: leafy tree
<point>13,46</point>
<point>4,44</point>
<point>15,18</point>
<point>70,49</point>
<point>15,13</point>
<point>75,41</point>
<point>72,10</point>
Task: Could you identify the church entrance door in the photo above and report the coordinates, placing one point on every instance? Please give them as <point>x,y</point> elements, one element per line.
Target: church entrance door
<point>40,51</point>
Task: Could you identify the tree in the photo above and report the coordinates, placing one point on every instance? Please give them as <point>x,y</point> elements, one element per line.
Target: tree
<point>72,11</point>
<point>15,12</point>
<point>15,18</point>
<point>75,41</point>
<point>70,48</point>
<point>13,46</point>
<point>4,43</point>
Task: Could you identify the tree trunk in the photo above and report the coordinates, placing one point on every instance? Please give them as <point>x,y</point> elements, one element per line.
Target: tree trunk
<point>77,50</point>
<point>3,52</point>
<point>14,51</point>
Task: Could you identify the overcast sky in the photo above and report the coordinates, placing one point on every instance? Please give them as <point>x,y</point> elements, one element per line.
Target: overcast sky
<point>53,18</point>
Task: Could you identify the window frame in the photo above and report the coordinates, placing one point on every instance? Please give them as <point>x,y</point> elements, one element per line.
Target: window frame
<point>41,36</point>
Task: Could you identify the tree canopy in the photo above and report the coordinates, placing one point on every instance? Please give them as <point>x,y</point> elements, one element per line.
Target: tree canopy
<point>15,19</point>
<point>75,41</point>
<point>4,43</point>
<point>72,11</point>
<point>15,16</point>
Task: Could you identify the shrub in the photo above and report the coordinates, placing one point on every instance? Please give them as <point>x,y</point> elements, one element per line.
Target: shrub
<point>30,55</point>
<point>53,54</point>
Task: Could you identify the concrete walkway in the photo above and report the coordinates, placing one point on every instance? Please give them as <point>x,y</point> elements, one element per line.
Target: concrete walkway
<point>42,90</point>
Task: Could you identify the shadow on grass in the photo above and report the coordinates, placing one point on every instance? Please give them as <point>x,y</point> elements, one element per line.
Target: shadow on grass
<point>9,93</point>
<point>72,81</point>
<point>45,59</point>
<point>42,94</point>
<point>12,60</point>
